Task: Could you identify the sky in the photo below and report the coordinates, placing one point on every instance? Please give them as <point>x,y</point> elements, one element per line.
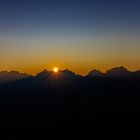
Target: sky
<point>79,35</point>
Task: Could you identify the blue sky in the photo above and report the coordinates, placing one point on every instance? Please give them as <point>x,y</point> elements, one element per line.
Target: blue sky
<point>63,26</point>
<point>69,15</point>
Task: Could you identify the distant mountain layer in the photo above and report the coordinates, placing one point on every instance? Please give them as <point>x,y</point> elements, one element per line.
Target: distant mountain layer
<point>6,77</point>
<point>95,73</point>
<point>118,72</point>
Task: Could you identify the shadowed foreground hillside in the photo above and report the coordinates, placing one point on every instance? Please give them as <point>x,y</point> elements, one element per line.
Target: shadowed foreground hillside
<point>71,106</point>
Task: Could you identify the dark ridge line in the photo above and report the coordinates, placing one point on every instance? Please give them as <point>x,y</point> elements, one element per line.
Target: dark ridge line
<point>95,71</point>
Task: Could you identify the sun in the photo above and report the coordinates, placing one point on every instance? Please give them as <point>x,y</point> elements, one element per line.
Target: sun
<point>55,69</point>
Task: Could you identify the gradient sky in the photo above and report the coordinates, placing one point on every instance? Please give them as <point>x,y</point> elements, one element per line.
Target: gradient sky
<point>71,34</point>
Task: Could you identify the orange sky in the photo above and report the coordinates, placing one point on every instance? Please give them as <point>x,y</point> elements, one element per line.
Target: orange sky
<point>79,35</point>
<point>79,55</point>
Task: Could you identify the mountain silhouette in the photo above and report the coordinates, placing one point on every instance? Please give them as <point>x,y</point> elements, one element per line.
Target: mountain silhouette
<point>68,72</point>
<point>118,72</point>
<point>67,75</point>
<point>137,73</point>
<point>95,73</point>
<point>6,77</point>
<point>65,103</point>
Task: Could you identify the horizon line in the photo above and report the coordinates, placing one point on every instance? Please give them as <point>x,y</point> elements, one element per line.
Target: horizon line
<point>61,70</point>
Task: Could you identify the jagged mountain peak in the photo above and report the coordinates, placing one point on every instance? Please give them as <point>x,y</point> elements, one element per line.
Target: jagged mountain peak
<point>6,76</point>
<point>119,72</point>
<point>68,72</point>
<point>95,72</point>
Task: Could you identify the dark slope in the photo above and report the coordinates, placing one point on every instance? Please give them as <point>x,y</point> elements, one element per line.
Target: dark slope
<point>66,103</point>
<point>12,76</point>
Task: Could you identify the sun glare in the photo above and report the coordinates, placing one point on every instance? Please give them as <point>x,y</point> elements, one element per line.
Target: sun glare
<point>55,69</point>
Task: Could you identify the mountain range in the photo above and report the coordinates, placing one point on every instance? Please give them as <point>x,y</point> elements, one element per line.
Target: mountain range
<point>12,76</point>
<point>117,72</point>
<point>66,101</point>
